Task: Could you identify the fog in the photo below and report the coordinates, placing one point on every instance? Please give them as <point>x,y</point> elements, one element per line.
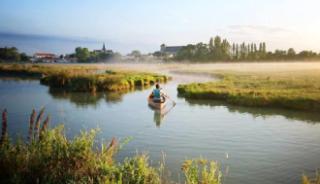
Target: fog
<point>161,67</point>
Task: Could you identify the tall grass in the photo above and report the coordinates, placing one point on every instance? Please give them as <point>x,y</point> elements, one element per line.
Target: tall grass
<point>55,159</point>
<point>201,171</point>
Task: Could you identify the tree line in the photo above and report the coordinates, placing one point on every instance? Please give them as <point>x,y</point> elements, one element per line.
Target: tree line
<point>84,55</point>
<point>12,54</point>
<point>222,50</point>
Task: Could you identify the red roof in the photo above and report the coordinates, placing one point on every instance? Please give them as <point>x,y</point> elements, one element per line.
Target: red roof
<point>43,54</point>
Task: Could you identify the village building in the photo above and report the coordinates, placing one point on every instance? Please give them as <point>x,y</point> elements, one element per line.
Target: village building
<point>103,50</point>
<point>44,57</point>
<point>169,51</point>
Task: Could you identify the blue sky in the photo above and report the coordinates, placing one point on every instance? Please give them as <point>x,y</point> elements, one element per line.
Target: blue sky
<point>145,24</point>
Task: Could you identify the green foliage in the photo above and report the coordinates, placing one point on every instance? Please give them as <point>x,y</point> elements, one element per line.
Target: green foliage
<point>297,91</point>
<point>137,170</point>
<point>221,50</point>
<point>12,54</point>
<point>201,171</point>
<point>82,54</point>
<point>55,159</point>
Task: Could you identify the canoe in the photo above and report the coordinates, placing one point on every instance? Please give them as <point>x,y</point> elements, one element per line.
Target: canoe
<point>156,105</point>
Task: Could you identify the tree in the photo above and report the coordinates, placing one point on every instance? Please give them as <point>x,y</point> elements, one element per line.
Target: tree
<point>233,50</point>
<point>291,53</point>
<point>217,52</point>
<point>260,47</point>
<point>10,54</point>
<point>211,45</point>
<point>186,53</point>
<point>217,42</point>
<point>243,51</point>
<point>201,52</point>
<point>24,57</point>
<point>225,50</point>
<point>264,48</point>
<point>220,49</point>
<point>307,54</point>
<point>135,53</point>
<point>237,52</point>
<point>280,54</point>
<point>82,54</point>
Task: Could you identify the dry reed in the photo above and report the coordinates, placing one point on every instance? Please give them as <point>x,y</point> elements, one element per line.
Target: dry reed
<point>37,125</point>
<point>44,126</point>
<point>31,122</point>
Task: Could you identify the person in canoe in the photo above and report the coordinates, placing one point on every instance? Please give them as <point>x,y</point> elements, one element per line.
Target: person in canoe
<point>157,95</point>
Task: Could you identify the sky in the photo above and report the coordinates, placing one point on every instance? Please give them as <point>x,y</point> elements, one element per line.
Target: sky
<point>127,25</point>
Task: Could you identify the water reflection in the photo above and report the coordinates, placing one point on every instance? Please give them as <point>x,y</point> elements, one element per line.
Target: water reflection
<point>83,99</point>
<point>17,79</point>
<point>308,117</point>
<point>159,114</point>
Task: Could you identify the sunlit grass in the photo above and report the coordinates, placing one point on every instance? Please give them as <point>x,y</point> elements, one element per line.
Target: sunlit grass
<point>311,180</point>
<point>291,90</point>
<point>201,171</point>
<point>84,78</point>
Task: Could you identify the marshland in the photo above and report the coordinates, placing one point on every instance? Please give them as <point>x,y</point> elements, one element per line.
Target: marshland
<point>245,139</point>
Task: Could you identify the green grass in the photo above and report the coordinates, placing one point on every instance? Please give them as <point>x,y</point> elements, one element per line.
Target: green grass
<point>116,81</point>
<point>290,90</point>
<point>201,171</point>
<point>84,78</point>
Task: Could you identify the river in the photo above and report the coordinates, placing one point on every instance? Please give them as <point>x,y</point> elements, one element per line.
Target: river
<point>252,145</point>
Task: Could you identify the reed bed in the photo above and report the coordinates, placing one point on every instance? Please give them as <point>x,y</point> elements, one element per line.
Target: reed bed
<point>289,90</point>
<point>83,78</point>
<point>116,81</point>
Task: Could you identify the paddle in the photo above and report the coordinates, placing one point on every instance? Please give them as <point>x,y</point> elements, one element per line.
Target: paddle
<point>174,103</point>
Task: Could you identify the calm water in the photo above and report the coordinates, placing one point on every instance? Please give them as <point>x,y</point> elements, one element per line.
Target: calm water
<point>252,145</point>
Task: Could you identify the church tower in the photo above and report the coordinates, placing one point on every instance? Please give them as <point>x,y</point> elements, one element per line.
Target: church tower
<point>104,48</point>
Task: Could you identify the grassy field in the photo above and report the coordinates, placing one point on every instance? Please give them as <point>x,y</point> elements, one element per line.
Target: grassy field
<point>299,90</point>
<point>83,78</point>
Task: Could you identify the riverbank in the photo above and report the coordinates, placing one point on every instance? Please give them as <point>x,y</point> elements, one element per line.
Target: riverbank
<point>84,78</point>
<point>298,90</point>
